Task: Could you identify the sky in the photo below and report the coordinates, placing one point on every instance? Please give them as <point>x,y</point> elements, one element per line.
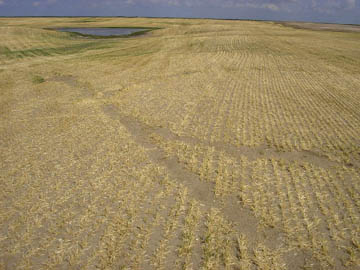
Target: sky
<point>333,11</point>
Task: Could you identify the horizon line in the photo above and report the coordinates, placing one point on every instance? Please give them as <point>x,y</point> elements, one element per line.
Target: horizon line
<point>165,17</point>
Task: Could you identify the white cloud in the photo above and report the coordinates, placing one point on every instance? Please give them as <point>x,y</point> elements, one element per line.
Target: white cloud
<point>272,7</point>
<point>331,6</point>
<point>351,3</point>
<point>2,2</point>
<point>290,6</point>
<point>46,3</point>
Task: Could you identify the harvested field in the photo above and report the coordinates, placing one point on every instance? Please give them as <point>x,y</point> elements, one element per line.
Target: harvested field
<point>205,144</point>
<point>323,26</point>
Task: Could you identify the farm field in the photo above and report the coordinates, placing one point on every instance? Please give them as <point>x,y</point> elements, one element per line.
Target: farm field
<point>205,144</point>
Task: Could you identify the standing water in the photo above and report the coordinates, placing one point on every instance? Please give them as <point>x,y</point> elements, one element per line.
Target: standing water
<point>102,31</point>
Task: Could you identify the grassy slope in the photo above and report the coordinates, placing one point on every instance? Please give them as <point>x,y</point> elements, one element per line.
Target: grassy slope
<point>204,145</point>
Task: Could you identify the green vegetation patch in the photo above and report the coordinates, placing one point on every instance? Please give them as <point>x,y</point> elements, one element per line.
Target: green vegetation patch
<point>66,50</point>
<point>38,79</point>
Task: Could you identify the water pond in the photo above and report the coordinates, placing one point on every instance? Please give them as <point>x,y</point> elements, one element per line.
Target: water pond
<point>104,32</point>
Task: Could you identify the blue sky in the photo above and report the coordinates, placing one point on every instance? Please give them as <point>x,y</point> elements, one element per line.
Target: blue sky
<point>337,11</point>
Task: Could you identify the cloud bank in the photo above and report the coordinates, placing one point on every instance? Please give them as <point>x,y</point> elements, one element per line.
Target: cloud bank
<point>326,6</point>
<point>310,10</point>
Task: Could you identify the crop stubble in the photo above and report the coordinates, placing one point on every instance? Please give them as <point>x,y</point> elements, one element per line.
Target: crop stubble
<point>204,145</point>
